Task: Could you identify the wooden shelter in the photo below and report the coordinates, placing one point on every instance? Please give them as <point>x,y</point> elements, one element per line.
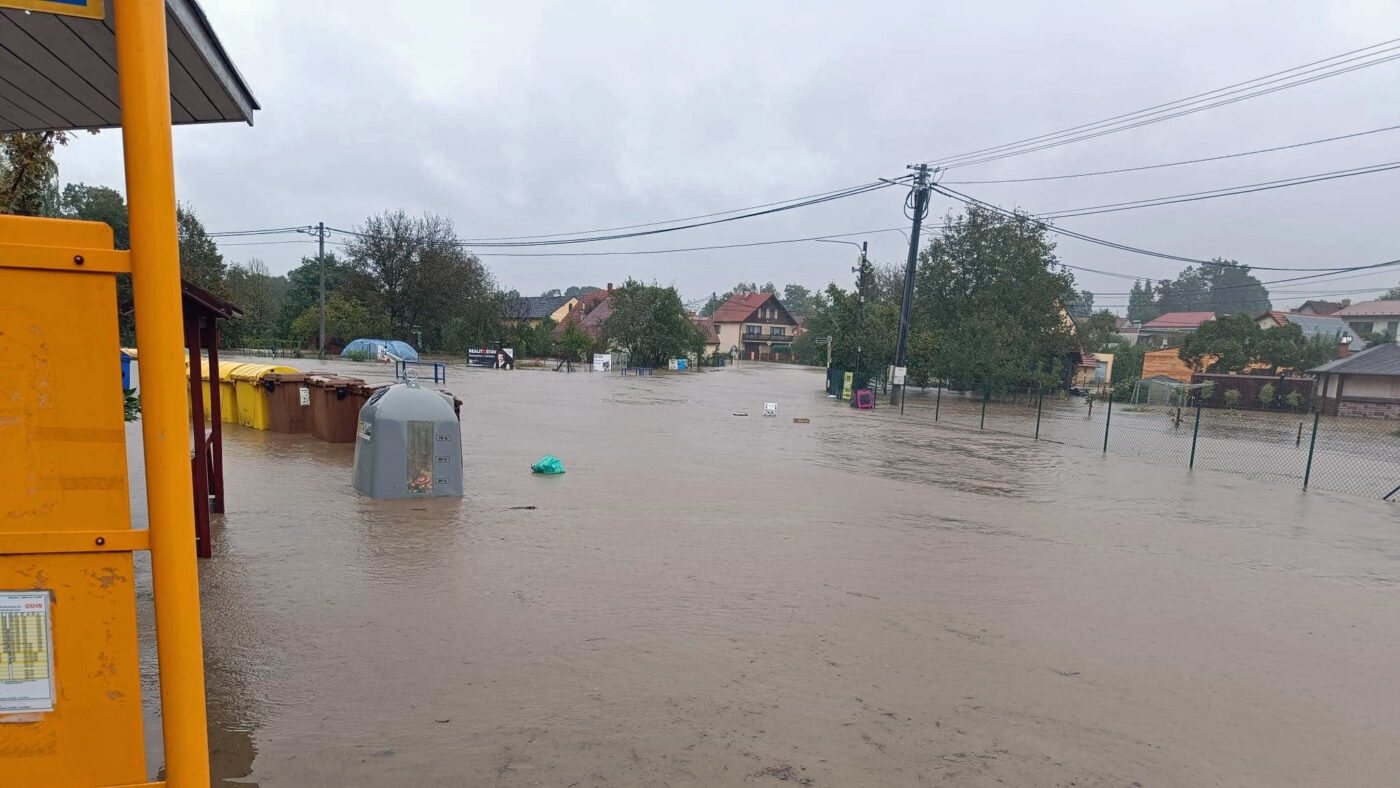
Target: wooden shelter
<point>202,311</point>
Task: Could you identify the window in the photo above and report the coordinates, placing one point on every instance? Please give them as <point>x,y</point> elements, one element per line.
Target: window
<point>777,331</point>
<point>1362,328</point>
<point>753,329</point>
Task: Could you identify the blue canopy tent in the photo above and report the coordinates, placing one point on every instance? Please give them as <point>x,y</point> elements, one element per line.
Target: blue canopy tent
<point>393,347</point>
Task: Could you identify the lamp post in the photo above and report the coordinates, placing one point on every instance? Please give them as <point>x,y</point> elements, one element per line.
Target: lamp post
<point>861,265</point>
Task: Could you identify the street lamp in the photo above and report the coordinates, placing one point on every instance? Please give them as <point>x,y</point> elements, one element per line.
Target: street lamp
<point>859,271</point>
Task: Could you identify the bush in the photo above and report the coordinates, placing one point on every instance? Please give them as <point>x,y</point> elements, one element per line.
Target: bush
<point>357,355</point>
<point>1294,400</point>
<point>1266,394</point>
<point>1207,391</point>
<point>131,405</point>
<point>1232,397</point>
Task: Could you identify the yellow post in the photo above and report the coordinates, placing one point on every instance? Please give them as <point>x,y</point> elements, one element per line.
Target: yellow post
<point>155,264</point>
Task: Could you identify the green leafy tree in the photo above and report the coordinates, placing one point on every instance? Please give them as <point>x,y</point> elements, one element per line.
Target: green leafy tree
<point>797,300</point>
<point>1233,343</point>
<point>576,291</point>
<point>200,261</point>
<point>346,320</point>
<point>304,287</point>
<point>1099,332</point>
<point>575,343</point>
<point>1320,349</point>
<point>28,172</point>
<point>651,323</point>
<point>988,293</point>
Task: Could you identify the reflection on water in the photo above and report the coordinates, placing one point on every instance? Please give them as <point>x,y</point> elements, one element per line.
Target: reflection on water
<point>709,599</point>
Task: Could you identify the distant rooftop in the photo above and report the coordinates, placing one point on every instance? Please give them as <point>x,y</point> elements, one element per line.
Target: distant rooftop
<point>533,307</point>
<point>1370,309</point>
<point>1179,320</point>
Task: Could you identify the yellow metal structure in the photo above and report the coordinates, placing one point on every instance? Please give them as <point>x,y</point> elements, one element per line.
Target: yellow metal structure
<point>144,80</point>
<point>91,9</point>
<point>252,399</point>
<point>66,544</point>
<point>64,511</point>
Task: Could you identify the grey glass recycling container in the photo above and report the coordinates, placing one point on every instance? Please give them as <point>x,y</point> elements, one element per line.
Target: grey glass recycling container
<point>408,444</point>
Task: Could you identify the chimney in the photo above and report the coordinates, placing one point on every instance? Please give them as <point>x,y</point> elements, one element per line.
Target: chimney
<point>609,287</point>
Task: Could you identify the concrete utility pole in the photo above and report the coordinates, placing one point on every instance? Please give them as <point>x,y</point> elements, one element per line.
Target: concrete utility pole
<point>918,200</point>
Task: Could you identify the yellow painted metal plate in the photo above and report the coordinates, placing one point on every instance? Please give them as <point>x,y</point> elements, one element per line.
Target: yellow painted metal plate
<point>63,473</point>
<point>90,9</point>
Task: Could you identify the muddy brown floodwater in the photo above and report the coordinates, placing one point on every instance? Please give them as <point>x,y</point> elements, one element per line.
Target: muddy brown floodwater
<point>705,599</point>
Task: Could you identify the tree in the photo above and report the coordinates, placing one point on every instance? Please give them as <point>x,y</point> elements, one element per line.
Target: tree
<point>1233,289</point>
<point>555,293</point>
<point>1099,331</point>
<point>1082,305</point>
<point>416,275</point>
<point>575,343</point>
<point>1142,304</point>
<point>768,287</point>
<point>651,323</point>
<point>97,204</point>
<point>259,295</point>
<point>1393,294</point>
<point>28,172</point>
<point>797,300</point>
<point>200,261</point>
<point>304,287</point>
<point>346,320</point>
<point>1234,343</point>
<point>988,294</point>
<point>576,291</point>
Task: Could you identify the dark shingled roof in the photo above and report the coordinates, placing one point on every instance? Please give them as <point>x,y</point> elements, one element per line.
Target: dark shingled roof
<point>1381,359</point>
<point>533,307</point>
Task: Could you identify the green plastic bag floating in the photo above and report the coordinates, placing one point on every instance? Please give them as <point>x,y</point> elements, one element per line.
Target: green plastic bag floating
<point>548,464</point>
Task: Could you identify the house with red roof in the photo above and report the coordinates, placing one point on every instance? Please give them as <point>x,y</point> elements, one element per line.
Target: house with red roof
<point>756,325</point>
<point>1159,331</point>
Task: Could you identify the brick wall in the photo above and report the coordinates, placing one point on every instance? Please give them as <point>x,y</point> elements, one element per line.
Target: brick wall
<point>1369,408</point>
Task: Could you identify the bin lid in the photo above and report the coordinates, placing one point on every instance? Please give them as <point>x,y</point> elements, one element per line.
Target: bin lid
<point>254,372</point>
<point>285,377</point>
<point>331,381</point>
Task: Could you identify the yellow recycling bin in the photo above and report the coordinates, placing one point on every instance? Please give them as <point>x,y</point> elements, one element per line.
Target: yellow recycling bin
<point>252,397</point>
<point>228,391</point>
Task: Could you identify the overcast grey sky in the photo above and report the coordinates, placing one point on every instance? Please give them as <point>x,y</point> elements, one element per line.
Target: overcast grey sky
<point>525,118</point>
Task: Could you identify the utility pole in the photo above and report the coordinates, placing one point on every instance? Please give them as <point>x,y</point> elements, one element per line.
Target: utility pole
<point>918,197</point>
<point>862,266</point>
<point>321,258</point>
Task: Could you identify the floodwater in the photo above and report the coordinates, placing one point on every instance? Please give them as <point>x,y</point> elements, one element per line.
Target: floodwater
<point>706,599</point>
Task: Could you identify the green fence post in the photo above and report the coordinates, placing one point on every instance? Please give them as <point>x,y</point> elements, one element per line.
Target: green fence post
<point>1196,430</point>
<point>986,395</point>
<point>1312,444</point>
<point>1039,404</point>
<point>938,400</point>
<point>1107,419</point>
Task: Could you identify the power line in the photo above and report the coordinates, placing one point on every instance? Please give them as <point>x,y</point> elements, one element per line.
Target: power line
<point>969,200</point>
<point>1230,94</point>
<point>664,221</point>
<point>1177,163</point>
<point>265,231</point>
<point>1228,191</point>
<point>865,189</point>
<point>636,252</point>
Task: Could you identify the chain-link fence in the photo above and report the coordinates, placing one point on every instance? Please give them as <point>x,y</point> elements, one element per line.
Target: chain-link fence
<point>1286,446</point>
